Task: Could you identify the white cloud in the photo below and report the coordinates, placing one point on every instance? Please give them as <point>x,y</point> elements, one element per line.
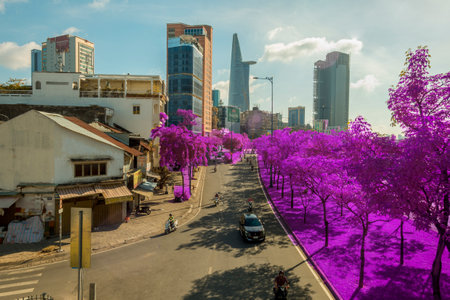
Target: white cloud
<point>368,83</point>
<point>272,33</point>
<point>3,2</point>
<point>292,100</point>
<point>98,4</point>
<point>13,56</point>
<point>71,30</point>
<point>223,87</point>
<point>308,46</point>
<point>223,72</point>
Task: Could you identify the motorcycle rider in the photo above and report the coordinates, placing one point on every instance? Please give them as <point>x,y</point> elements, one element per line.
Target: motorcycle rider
<point>250,204</point>
<point>280,281</point>
<point>171,221</point>
<point>216,198</point>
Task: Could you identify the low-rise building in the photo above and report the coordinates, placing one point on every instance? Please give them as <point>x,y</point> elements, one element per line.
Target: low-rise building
<point>52,162</point>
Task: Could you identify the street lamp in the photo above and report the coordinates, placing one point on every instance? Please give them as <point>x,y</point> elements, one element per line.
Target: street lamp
<point>271,117</point>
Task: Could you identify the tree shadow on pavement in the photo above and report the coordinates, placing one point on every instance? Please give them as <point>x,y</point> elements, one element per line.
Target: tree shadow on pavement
<point>247,282</point>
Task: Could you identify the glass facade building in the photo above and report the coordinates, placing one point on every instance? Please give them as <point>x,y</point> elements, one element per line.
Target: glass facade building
<point>296,116</point>
<point>36,60</point>
<point>331,90</point>
<point>239,78</point>
<point>215,97</point>
<point>185,73</point>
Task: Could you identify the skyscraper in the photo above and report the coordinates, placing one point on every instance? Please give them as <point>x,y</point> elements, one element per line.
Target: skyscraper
<point>331,90</point>
<point>239,74</point>
<point>203,34</point>
<point>296,116</point>
<point>185,73</point>
<point>215,97</point>
<point>68,53</point>
<point>36,60</point>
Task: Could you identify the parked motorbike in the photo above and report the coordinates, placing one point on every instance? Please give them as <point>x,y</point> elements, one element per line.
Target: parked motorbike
<point>169,227</point>
<point>143,209</point>
<point>281,292</point>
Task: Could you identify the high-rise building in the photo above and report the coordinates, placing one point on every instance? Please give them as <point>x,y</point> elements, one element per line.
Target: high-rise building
<point>331,90</point>
<point>215,97</point>
<point>238,94</point>
<point>36,61</point>
<point>229,117</point>
<point>203,34</point>
<point>68,53</point>
<point>185,74</point>
<point>296,116</point>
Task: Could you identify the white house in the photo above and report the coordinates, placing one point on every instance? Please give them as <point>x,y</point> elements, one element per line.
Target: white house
<point>135,101</point>
<point>49,161</point>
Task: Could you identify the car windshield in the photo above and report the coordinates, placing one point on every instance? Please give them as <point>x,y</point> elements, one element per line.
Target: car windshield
<point>252,222</point>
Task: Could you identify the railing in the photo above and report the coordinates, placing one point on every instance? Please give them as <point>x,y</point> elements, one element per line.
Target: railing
<point>118,94</point>
<point>43,296</point>
<point>16,92</point>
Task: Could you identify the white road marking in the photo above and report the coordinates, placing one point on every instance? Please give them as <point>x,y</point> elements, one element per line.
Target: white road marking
<point>23,277</point>
<point>313,271</point>
<point>16,292</point>
<point>25,271</point>
<point>210,271</point>
<point>10,285</point>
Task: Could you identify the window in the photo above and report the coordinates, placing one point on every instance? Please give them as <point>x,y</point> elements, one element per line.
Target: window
<point>136,109</point>
<point>38,85</point>
<point>90,169</point>
<point>75,85</point>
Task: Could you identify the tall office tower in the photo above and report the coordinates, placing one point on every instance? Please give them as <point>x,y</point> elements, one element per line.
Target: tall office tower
<point>68,53</point>
<point>215,97</point>
<point>185,73</point>
<point>331,90</point>
<point>296,116</point>
<point>36,61</point>
<point>238,94</point>
<point>203,34</point>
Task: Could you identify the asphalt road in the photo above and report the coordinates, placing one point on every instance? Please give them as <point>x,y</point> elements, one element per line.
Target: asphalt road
<point>204,259</point>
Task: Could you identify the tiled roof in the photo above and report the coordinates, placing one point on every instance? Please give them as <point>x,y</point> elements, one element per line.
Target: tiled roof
<point>103,135</point>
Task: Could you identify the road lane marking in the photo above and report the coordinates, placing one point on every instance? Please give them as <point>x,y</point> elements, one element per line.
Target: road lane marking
<point>23,277</point>
<point>210,271</point>
<point>25,271</point>
<point>16,292</point>
<point>10,285</point>
<point>313,271</point>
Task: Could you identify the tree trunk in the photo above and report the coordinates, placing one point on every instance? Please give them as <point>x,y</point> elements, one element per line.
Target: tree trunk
<point>325,222</point>
<point>190,179</point>
<point>363,260</point>
<point>282,188</point>
<point>292,196</point>
<point>437,267</point>
<point>342,209</point>
<point>278,177</point>
<point>402,244</point>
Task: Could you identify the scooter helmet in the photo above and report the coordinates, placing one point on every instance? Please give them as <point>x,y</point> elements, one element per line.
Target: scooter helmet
<point>281,272</point>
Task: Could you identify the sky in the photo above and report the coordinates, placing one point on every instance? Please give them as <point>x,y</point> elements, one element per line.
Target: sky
<point>286,38</point>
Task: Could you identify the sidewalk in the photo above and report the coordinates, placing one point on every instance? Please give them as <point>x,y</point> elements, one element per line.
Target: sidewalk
<point>138,228</point>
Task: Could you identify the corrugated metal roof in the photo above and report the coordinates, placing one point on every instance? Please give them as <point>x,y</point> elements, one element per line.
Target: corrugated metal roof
<point>62,121</point>
<point>114,192</point>
<point>103,135</point>
<point>76,191</point>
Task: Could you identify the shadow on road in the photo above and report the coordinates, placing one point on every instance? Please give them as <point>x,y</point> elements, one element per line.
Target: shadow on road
<point>245,283</point>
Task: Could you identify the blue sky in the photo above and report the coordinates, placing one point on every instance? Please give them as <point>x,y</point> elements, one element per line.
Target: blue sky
<point>285,37</point>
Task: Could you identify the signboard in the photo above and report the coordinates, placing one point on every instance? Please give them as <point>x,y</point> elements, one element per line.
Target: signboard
<point>137,178</point>
<point>80,237</point>
<point>233,114</point>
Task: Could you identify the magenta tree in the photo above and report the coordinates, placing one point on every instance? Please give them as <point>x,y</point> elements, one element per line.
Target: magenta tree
<point>420,103</point>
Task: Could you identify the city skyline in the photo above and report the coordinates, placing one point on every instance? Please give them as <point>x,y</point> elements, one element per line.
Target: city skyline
<point>286,38</point>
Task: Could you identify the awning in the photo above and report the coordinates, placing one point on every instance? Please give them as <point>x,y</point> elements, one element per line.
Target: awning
<point>143,193</point>
<point>154,175</point>
<point>6,202</point>
<point>75,191</point>
<point>114,192</point>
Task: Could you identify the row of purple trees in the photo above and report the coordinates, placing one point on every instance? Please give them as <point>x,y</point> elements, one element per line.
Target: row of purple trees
<point>371,175</point>
<point>180,148</point>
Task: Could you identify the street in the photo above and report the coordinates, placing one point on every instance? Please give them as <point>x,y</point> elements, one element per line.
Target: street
<point>204,259</point>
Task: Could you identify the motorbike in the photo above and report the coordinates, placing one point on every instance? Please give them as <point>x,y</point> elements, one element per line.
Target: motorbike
<point>216,201</point>
<point>143,209</point>
<point>170,227</point>
<point>250,206</point>
<point>281,292</point>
